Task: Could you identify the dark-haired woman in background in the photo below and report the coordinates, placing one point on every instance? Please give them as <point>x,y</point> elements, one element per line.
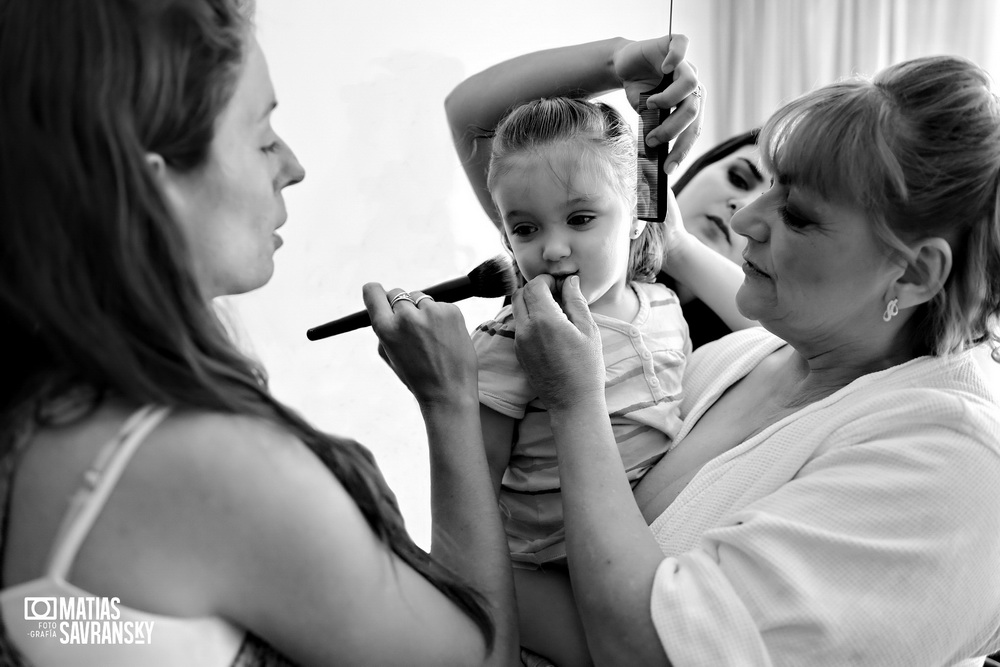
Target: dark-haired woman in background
<point>720,182</point>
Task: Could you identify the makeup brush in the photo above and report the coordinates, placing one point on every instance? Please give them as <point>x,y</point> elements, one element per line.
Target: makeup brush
<point>493,278</point>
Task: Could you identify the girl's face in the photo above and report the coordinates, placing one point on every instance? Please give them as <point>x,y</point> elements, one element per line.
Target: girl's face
<point>562,216</point>
<point>710,198</point>
<point>230,208</point>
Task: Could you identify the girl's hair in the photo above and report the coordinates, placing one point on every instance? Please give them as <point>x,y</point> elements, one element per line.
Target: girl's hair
<point>600,132</point>
<point>96,288</point>
<point>917,147</point>
<point>714,154</point>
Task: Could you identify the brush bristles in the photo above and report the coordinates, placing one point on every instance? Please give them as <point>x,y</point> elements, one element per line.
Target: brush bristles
<point>494,278</point>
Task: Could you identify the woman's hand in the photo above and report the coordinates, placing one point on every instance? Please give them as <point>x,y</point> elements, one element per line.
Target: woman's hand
<point>640,66</point>
<point>675,234</point>
<point>558,343</point>
<point>427,345</point>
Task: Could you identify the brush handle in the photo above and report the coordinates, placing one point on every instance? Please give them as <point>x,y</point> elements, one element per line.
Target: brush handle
<point>449,291</point>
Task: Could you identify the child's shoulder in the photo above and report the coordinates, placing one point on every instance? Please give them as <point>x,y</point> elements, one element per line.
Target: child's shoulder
<point>657,293</point>
<point>661,311</point>
<point>502,324</point>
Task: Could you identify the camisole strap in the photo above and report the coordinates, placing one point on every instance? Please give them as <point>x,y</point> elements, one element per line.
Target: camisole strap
<point>98,483</point>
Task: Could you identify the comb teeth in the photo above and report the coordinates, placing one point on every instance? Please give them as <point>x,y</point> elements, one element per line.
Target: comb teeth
<point>651,204</point>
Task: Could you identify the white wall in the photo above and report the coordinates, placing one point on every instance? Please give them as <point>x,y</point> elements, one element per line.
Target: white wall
<point>361,88</point>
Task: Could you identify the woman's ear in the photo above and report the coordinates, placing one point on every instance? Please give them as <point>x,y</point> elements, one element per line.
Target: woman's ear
<point>926,272</point>
<point>168,182</point>
<point>157,164</point>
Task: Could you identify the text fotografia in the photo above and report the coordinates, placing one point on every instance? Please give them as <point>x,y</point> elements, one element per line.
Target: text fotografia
<point>84,620</point>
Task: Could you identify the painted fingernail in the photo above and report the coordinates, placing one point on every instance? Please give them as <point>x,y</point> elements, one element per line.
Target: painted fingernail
<point>671,168</point>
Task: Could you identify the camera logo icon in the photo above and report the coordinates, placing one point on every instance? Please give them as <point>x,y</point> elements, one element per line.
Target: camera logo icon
<point>40,609</point>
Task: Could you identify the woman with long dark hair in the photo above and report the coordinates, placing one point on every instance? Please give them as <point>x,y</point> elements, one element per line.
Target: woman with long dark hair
<point>146,465</point>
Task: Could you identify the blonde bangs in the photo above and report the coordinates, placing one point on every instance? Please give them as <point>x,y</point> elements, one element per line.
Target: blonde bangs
<point>835,141</point>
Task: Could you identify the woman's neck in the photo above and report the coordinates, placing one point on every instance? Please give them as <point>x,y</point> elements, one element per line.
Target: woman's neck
<point>815,374</point>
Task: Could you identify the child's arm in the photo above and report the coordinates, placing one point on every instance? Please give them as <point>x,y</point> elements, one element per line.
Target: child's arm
<point>713,278</point>
<point>477,104</point>
<point>547,617</point>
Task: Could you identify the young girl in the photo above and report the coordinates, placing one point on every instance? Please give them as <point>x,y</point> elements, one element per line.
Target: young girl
<point>563,177</point>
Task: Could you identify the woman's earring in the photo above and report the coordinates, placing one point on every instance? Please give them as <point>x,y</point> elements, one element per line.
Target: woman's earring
<point>891,310</point>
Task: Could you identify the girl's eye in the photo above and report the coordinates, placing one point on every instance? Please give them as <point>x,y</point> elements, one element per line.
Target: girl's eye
<point>580,220</point>
<point>271,148</point>
<point>522,230</point>
<point>793,221</point>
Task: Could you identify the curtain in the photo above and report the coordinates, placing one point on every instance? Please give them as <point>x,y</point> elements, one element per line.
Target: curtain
<point>764,52</point>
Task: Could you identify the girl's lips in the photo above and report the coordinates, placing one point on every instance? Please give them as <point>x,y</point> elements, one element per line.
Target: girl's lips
<point>561,278</point>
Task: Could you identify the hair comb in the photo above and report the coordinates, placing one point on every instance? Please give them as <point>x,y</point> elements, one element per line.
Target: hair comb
<point>651,180</point>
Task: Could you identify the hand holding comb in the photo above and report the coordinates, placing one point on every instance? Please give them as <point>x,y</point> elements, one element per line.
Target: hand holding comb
<point>493,278</point>
<point>652,181</point>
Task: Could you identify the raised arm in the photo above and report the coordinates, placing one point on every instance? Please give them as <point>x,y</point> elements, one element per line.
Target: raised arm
<point>710,276</point>
<point>477,104</point>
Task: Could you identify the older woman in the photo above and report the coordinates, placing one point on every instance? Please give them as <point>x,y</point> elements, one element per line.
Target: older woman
<point>831,498</point>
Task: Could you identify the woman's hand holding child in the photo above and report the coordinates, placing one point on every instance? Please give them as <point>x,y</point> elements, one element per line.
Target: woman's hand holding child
<point>558,343</point>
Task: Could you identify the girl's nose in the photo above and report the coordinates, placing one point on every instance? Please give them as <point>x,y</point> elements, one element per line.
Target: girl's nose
<point>555,248</point>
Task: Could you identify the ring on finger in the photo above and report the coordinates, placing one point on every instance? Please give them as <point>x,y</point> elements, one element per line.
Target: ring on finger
<point>402,296</point>
<point>698,92</point>
<point>421,298</point>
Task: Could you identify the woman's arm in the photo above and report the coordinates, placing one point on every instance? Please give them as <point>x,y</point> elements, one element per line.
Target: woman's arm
<point>498,438</point>
<point>239,519</point>
<point>430,350</point>
<point>477,104</point>
<point>710,276</point>
<point>611,552</point>
<point>805,573</point>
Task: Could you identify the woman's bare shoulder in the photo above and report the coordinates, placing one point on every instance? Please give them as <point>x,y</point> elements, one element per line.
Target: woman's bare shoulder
<point>206,488</point>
